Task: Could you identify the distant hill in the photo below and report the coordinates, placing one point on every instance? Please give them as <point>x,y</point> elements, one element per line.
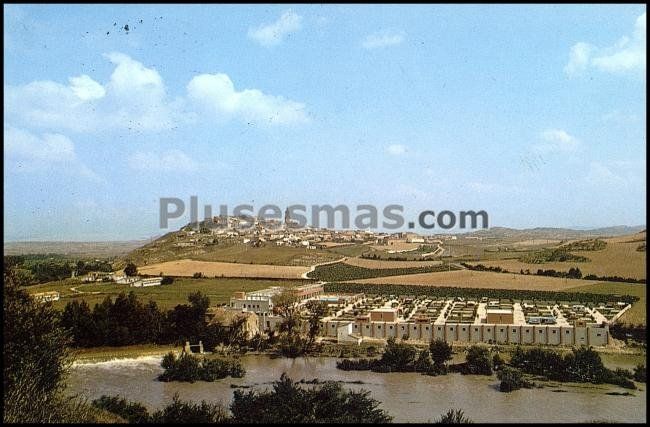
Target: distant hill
<point>89,249</point>
<point>554,233</point>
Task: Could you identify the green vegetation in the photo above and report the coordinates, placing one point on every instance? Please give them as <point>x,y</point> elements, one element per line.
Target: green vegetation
<point>448,291</point>
<point>586,245</point>
<point>453,417</point>
<point>41,268</point>
<point>512,379</point>
<point>478,361</point>
<point>342,272</point>
<point>552,255</point>
<point>166,296</point>
<point>581,365</point>
<point>349,250</point>
<point>176,412</point>
<point>290,403</point>
<point>190,368</point>
<point>36,361</point>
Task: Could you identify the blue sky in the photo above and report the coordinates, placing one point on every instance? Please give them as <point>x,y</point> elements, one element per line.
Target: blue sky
<point>534,113</point>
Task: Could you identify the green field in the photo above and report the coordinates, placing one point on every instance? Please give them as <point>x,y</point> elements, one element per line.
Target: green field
<point>167,296</point>
<point>341,271</point>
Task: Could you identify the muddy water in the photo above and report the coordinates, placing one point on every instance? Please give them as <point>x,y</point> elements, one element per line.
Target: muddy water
<point>408,397</point>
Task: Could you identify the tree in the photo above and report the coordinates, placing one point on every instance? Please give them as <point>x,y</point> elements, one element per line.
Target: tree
<point>639,373</point>
<point>479,360</point>
<point>441,352</point>
<point>179,412</point>
<point>511,379</point>
<point>35,359</point>
<point>131,269</point>
<point>453,417</point>
<point>289,403</point>
<point>317,310</point>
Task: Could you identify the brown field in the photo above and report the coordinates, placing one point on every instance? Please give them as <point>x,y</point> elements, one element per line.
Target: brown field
<point>617,259</point>
<point>187,267</point>
<point>397,245</point>
<point>482,279</point>
<point>628,238</point>
<point>375,263</point>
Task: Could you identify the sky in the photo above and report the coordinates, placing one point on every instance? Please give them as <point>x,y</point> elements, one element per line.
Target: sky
<point>533,113</point>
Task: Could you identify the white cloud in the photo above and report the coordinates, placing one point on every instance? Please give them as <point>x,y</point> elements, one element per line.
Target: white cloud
<point>273,34</point>
<point>86,88</point>
<point>396,149</point>
<point>27,152</point>
<point>599,174</point>
<point>171,160</point>
<point>578,58</point>
<point>557,141</point>
<point>628,54</point>
<point>382,39</point>
<point>217,92</point>
<point>617,116</point>
<point>134,98</point>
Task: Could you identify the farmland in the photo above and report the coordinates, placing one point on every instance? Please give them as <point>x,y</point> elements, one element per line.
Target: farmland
<point>616,259</point>
<point>166,296</point>
<point>188,268</point>
<point>481,279</point>
<point>636,314</point>
<point>375,263</point>
<point>164,250</point>
<point>341,272</point>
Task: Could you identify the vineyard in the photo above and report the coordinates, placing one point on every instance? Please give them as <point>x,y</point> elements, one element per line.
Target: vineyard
<point>341,272</point>
<point>452,292</point>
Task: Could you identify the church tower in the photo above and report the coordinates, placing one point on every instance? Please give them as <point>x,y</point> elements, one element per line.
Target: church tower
<point>287,218</point>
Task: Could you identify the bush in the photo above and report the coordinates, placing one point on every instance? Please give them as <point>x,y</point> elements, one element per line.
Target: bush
<point>512,379</point>
<point>639,373</point>
<point>134,413</point>
<point>478,361</point>
<point>189,368</point>
<point>453,417</point>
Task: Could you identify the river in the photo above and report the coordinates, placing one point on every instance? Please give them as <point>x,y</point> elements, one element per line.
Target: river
<point>408,397</point>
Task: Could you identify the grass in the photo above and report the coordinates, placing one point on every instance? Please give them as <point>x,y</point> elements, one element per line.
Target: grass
<point>167,296</point>
<point>350,250</point>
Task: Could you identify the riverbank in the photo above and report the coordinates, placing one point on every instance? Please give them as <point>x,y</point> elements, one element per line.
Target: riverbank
<point>612,357</point>
<point>410,397</point>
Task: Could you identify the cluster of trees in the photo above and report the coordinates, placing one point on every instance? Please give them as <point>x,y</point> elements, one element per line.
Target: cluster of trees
<point>586,245</point>
<point>625,332</point>
<point>402,357</point>
<point>190,368</point>
<point>176,412</point>
<point>452,292</point>
<point>581,365</point>
<point>40,268</point>
<point>512,379</point>
<point>36,359</point>
<point>613,278</point>
<point>478,361</point>
<point>552,255</point>
<point>481,267</point>
<point>127,321</point>
<point>573,273</point>
<point>287,402</point>
<point>342,272</point>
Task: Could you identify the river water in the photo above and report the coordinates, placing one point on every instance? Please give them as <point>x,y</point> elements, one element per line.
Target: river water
<point>408,397</point>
